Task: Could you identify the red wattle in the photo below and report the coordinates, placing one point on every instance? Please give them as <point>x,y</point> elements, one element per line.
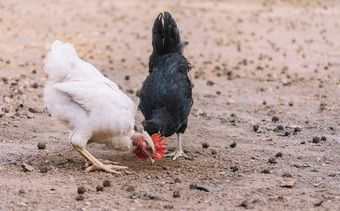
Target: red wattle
<point>139,154</point>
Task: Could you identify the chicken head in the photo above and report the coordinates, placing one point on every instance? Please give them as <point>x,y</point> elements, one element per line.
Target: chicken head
<point>145,150</point>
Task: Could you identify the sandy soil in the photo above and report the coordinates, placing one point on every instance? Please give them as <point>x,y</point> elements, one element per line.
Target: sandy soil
<point>252,60</point>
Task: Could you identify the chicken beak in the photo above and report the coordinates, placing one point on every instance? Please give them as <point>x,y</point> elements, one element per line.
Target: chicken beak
<point>151,159</point>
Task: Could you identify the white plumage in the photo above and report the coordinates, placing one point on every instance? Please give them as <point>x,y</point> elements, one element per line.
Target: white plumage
<point>94,107</point>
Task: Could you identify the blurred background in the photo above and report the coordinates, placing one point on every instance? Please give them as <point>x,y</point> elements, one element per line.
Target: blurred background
<point>302,35</point>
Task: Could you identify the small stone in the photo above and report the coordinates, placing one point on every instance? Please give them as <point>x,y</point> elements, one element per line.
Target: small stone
<point>41,145</point>
<point>323,138</point>
<point>35,85</point>
<point>165,167</point>
<point>205,188</point>
<point>301,166</point>
<point>318,204</point>
<point>244,204</point>
<point>168,206</point>
<point>279,154</point>
<point>316,140</point>
<point>290,103</point>
<point>205,145</point>
<point>32,110</point>
<point>302,142</point>
<point>234,168</point>
<point>255,201</point>
<point>130,188</point>
<point>287,133</point>
<point>106,183</point>
<point>210,83</point>
<point>176,194</point>
<point>193,186</point>
<point>4,79</point>
<point>233,145</point>
<point>265,171</point>
<point>21,191</point>
<point>177,180</point>
<point>272,161</point>
<point>230,75</point>
<point>27,167</point>
<point>29,115</point>
<point>99,188</point>
<point>81,190</point>
<point>80,197</point>
<point>127,77</point>
<point>275,119</point>
<point>280,127</point>
<point>44,170</point>
<point>255,127</point>
<point>287,174</point>
<point>213,152</point>
<point>297,129</point>
<point>287,182</point>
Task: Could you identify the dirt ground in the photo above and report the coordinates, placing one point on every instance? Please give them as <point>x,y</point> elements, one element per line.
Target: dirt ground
<point>252,60</point>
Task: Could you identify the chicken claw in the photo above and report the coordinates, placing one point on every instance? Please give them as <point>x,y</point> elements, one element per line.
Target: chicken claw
<point>180,152</point>
<point>177,154</point>
<point>108,162</point>
<point>107,168</point>
<point>98,165</point>
<point>88,163</point>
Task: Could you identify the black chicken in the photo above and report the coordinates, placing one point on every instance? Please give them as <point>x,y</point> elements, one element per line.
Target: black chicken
<point>166,96</point>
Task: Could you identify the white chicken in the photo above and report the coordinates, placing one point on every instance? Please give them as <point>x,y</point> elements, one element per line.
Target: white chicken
<point>95,109</point>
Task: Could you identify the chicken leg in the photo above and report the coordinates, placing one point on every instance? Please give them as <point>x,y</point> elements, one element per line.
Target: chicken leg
<point>179,152</point>
<point>96,164</point>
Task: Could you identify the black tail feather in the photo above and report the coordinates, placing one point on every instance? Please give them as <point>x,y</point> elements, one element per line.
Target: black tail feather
<point>165,35</point>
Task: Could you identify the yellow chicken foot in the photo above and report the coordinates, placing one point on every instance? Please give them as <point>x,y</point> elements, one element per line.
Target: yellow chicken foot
<point>108,162</point>
<point>88,163</point>
<point>97,165</point>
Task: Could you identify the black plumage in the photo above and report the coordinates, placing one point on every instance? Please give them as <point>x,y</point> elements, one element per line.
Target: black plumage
<point>166,95</point>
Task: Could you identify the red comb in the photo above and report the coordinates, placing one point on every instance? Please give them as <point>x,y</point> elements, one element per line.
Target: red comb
<point>159,146</point>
